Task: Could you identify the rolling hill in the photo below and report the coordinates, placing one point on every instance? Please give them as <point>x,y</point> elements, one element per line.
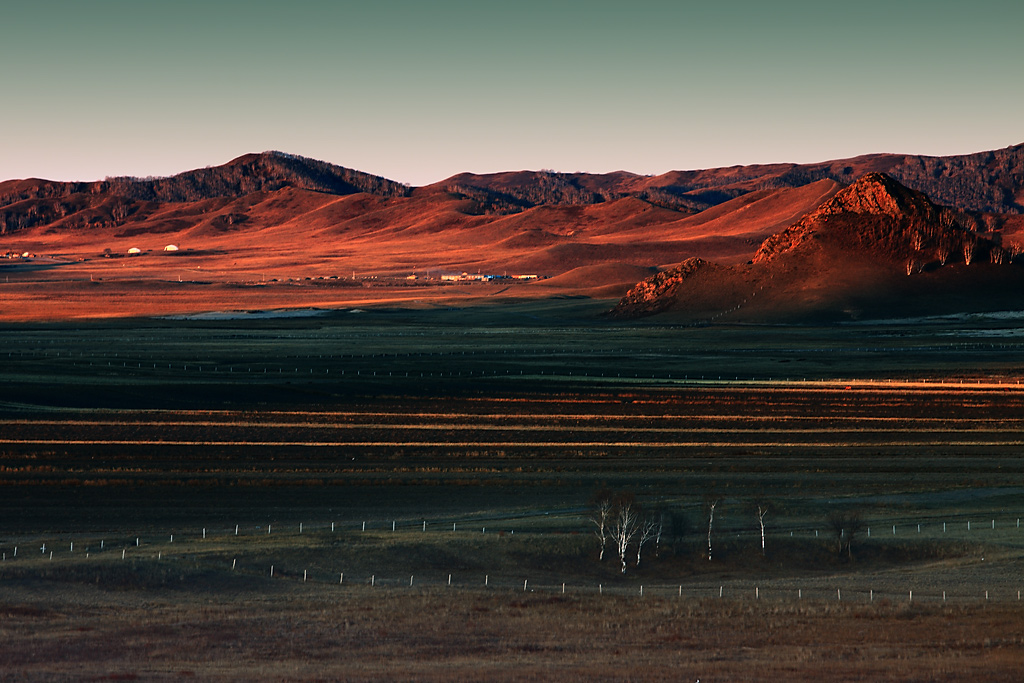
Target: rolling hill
<point>275,229</point>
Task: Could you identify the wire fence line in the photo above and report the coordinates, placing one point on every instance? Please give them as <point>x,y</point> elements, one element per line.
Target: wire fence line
<point>178,549</point>
<point>573,521</point>
<point>784,591</point>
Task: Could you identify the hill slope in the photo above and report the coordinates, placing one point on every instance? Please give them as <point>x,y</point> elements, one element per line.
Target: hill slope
<point>874,248</point>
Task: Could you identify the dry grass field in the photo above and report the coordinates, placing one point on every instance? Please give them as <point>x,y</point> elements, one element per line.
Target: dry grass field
<point>470,444</point>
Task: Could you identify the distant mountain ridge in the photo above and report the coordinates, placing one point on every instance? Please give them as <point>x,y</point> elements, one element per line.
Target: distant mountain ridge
<point>991,181</point>
<point>247,174</point>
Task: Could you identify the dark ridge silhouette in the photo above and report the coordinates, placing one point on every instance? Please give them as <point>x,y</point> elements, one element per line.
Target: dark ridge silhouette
<point>990,181</point>
<point>986,181</point>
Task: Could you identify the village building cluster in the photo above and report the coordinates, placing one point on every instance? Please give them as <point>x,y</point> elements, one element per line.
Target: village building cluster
<point>478,277</point>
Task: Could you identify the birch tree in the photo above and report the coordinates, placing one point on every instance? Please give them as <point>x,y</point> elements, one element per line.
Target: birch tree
<point>649,529</point>
<point>762,510</point>
<point>601,517</point>
<point>623,528</point>
<point>709,506</point>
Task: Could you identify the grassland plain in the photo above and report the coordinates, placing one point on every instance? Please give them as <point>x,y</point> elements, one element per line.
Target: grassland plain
<point>470,444</point>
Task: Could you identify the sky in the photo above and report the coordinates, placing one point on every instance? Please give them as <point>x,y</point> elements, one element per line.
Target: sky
<point>420,90</point>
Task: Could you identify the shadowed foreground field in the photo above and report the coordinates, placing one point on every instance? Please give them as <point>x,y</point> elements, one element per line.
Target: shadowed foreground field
<point>471,452</point>
<point>297,633</point>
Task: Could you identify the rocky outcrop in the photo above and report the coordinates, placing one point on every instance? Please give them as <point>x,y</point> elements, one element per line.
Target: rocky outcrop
<point>658,292</point>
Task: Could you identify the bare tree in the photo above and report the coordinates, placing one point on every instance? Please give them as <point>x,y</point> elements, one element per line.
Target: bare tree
<point>649,528</point>
<point>947,218</point>
<point>969,246</point>
<point>660,530</point>
<point>845,525</point>
<point>601,517</point>
<point>1014,250</point>
<point>762,510</point>
<point>917,240</point>
<point>623,527</point>
<point>710,504</point>
<point>119,211</point>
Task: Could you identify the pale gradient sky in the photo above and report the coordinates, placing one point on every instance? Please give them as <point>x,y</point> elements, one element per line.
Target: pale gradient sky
<point>419,90</point>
